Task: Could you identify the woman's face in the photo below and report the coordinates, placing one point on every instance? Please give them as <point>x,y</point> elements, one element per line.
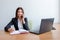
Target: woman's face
<point>20,13</point>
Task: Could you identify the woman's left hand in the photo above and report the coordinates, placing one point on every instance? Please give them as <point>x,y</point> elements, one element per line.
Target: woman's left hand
<point>23,21</point>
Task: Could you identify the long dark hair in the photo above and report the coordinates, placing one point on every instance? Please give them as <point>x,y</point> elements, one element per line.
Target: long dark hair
<point>16,16</point>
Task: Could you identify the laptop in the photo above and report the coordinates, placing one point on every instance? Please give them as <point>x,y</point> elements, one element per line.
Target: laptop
<point>45,26</point>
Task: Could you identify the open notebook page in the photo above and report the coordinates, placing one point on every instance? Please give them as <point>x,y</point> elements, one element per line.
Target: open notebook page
<point>19,31</point>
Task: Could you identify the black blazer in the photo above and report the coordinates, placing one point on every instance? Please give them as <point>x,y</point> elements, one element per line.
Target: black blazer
<point>14,22</point>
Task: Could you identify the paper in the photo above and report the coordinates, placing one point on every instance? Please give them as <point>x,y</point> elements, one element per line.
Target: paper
<point>19,31</point>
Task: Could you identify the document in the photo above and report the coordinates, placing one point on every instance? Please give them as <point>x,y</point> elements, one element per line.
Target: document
<point>19,31</point>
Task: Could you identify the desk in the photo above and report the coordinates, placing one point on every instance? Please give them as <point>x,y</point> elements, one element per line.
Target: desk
<point>7,36</point>
<point>52,35</point>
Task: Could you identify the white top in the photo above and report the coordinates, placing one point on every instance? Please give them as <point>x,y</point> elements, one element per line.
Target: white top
<point>20,24</point>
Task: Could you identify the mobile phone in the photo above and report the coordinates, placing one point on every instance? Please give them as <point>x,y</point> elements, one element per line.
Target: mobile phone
<point>21,16</point>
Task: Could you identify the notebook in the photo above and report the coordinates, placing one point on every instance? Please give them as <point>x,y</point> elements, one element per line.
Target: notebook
<point>19,31</point>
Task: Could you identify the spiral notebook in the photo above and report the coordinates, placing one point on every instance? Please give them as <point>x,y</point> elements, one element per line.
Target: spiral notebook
<point>18,31</point>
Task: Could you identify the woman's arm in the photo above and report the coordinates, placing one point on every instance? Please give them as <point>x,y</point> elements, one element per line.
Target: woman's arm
<point>25,24</point>
<point>8,26</point>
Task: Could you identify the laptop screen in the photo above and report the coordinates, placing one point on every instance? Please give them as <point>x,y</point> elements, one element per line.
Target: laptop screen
<point>46,25</point>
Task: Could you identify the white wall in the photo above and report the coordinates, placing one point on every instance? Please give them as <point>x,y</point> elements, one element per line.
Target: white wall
<point>7,11</point>
<point>59,11</point>
<point>35,10</point>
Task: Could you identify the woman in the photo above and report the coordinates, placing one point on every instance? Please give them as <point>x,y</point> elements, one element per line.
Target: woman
<point>19,21</point>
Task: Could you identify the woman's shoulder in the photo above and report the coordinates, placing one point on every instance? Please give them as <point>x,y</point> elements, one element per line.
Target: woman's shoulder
<point>14,18</point>
<point>25,18</point>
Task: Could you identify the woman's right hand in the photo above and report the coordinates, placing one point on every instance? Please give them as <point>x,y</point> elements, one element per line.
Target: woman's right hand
<point>10,29</point>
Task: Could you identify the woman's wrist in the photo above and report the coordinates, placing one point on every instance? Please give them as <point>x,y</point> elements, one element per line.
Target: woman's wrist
<point>10,29</point>
<point>23,21</point>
